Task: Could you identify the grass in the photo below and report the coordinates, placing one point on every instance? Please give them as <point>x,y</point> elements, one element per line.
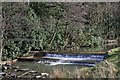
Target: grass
<point>104,69</point>
<point>108,68</point>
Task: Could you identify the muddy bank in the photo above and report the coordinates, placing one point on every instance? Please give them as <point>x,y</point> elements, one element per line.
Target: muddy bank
<point>8,62</point>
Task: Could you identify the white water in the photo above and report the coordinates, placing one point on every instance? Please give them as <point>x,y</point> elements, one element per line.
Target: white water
<point>67,59</point>
<point>74,57</point>
<point>67,63</point>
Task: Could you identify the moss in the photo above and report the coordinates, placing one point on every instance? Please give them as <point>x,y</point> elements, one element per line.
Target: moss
<point>108,68</point>
<point>114,51</point>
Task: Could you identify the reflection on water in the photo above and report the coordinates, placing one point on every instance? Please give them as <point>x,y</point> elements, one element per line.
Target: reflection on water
<point>45,67</point>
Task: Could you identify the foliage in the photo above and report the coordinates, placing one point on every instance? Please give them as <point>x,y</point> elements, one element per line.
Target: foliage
<point>104,20</point>
<point>16,27</point>
<point>56,26</point>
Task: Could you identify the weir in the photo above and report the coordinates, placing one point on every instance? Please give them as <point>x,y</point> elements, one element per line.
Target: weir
<point>82,59</point>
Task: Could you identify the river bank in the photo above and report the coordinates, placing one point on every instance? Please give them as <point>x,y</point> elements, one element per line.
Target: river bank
<point>109,68</point>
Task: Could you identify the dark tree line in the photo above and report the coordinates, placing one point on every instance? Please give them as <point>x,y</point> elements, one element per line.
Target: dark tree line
<point>54,26</point>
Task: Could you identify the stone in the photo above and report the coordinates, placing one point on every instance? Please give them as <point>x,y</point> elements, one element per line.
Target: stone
<point>44,74</point>
<point>38,76</point>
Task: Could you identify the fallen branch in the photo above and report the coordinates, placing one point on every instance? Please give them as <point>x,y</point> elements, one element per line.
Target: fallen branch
<point>23,74</point>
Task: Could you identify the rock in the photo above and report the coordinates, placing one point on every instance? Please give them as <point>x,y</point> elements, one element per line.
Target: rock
<point>25,69</point>
<point>13,75</point>
<point>43,77</point>
<point>5,67</point>
<point>17,67</point>
<point>33,74</point>
<point>38,76</point>
<point>44,74</point>
<point>2,73</point>
<point>33,71</point>
<point>22,69</point>
<point>16,70</point>
<point>113,51</point>
<point>7,64</point>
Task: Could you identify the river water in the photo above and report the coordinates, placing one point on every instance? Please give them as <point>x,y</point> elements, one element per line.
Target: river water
<point>64,63</point>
